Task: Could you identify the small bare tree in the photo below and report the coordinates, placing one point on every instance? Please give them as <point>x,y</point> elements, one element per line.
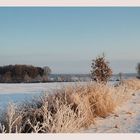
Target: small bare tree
<point>47,71</point>
<point>101,72</point>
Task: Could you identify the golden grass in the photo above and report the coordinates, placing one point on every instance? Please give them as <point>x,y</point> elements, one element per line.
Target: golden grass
<point>68,109</point>
<point>133,84</point>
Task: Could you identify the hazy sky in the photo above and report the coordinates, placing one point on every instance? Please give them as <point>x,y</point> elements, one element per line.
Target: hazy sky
<point>67,39</point>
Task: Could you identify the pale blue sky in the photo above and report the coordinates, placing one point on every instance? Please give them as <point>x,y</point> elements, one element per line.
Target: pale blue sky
<point>67,39</point>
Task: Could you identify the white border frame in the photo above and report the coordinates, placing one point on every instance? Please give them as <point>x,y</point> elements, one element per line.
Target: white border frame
<point>76,136</point>
<point>69,2</point>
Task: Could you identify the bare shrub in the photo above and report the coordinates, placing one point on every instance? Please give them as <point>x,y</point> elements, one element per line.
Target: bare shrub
<point>11,122</point>
<point>65,120</point>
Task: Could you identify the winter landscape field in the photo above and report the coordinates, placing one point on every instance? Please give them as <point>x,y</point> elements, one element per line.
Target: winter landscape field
<point>118,116</point>
<point>69,70</point>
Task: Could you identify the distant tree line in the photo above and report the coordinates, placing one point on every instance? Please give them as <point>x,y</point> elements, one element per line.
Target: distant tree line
<point>23,73</point>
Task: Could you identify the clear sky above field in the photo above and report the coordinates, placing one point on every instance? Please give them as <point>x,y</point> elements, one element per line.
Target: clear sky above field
<point>67,39</point>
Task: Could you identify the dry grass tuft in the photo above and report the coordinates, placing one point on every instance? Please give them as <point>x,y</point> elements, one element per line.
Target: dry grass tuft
<point>11,122</point>
<point>133,84</point>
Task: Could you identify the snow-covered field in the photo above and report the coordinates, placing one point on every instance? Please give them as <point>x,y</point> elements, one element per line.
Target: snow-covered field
<point>20,92</point>
<point>30,87</point>
<point>126,118</point>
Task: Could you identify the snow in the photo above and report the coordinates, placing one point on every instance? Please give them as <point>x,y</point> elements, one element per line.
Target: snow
<point>20,92</point>
<point>35,87</point>
<point>29,88</point>
<point>126,119</point>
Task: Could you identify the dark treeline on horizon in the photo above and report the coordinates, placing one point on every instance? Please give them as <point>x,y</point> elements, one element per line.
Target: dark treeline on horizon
<point>23,73</point>
<point>30,74</point>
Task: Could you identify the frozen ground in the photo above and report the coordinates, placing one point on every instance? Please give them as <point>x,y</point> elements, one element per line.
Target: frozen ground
<point>20,92</point>
<point>35,87</point>
<point>30,88</point>
<point>126,119</point>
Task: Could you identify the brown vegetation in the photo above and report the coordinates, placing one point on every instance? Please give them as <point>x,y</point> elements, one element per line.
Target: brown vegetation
<point>67,110</point>
<point>133,84</point>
